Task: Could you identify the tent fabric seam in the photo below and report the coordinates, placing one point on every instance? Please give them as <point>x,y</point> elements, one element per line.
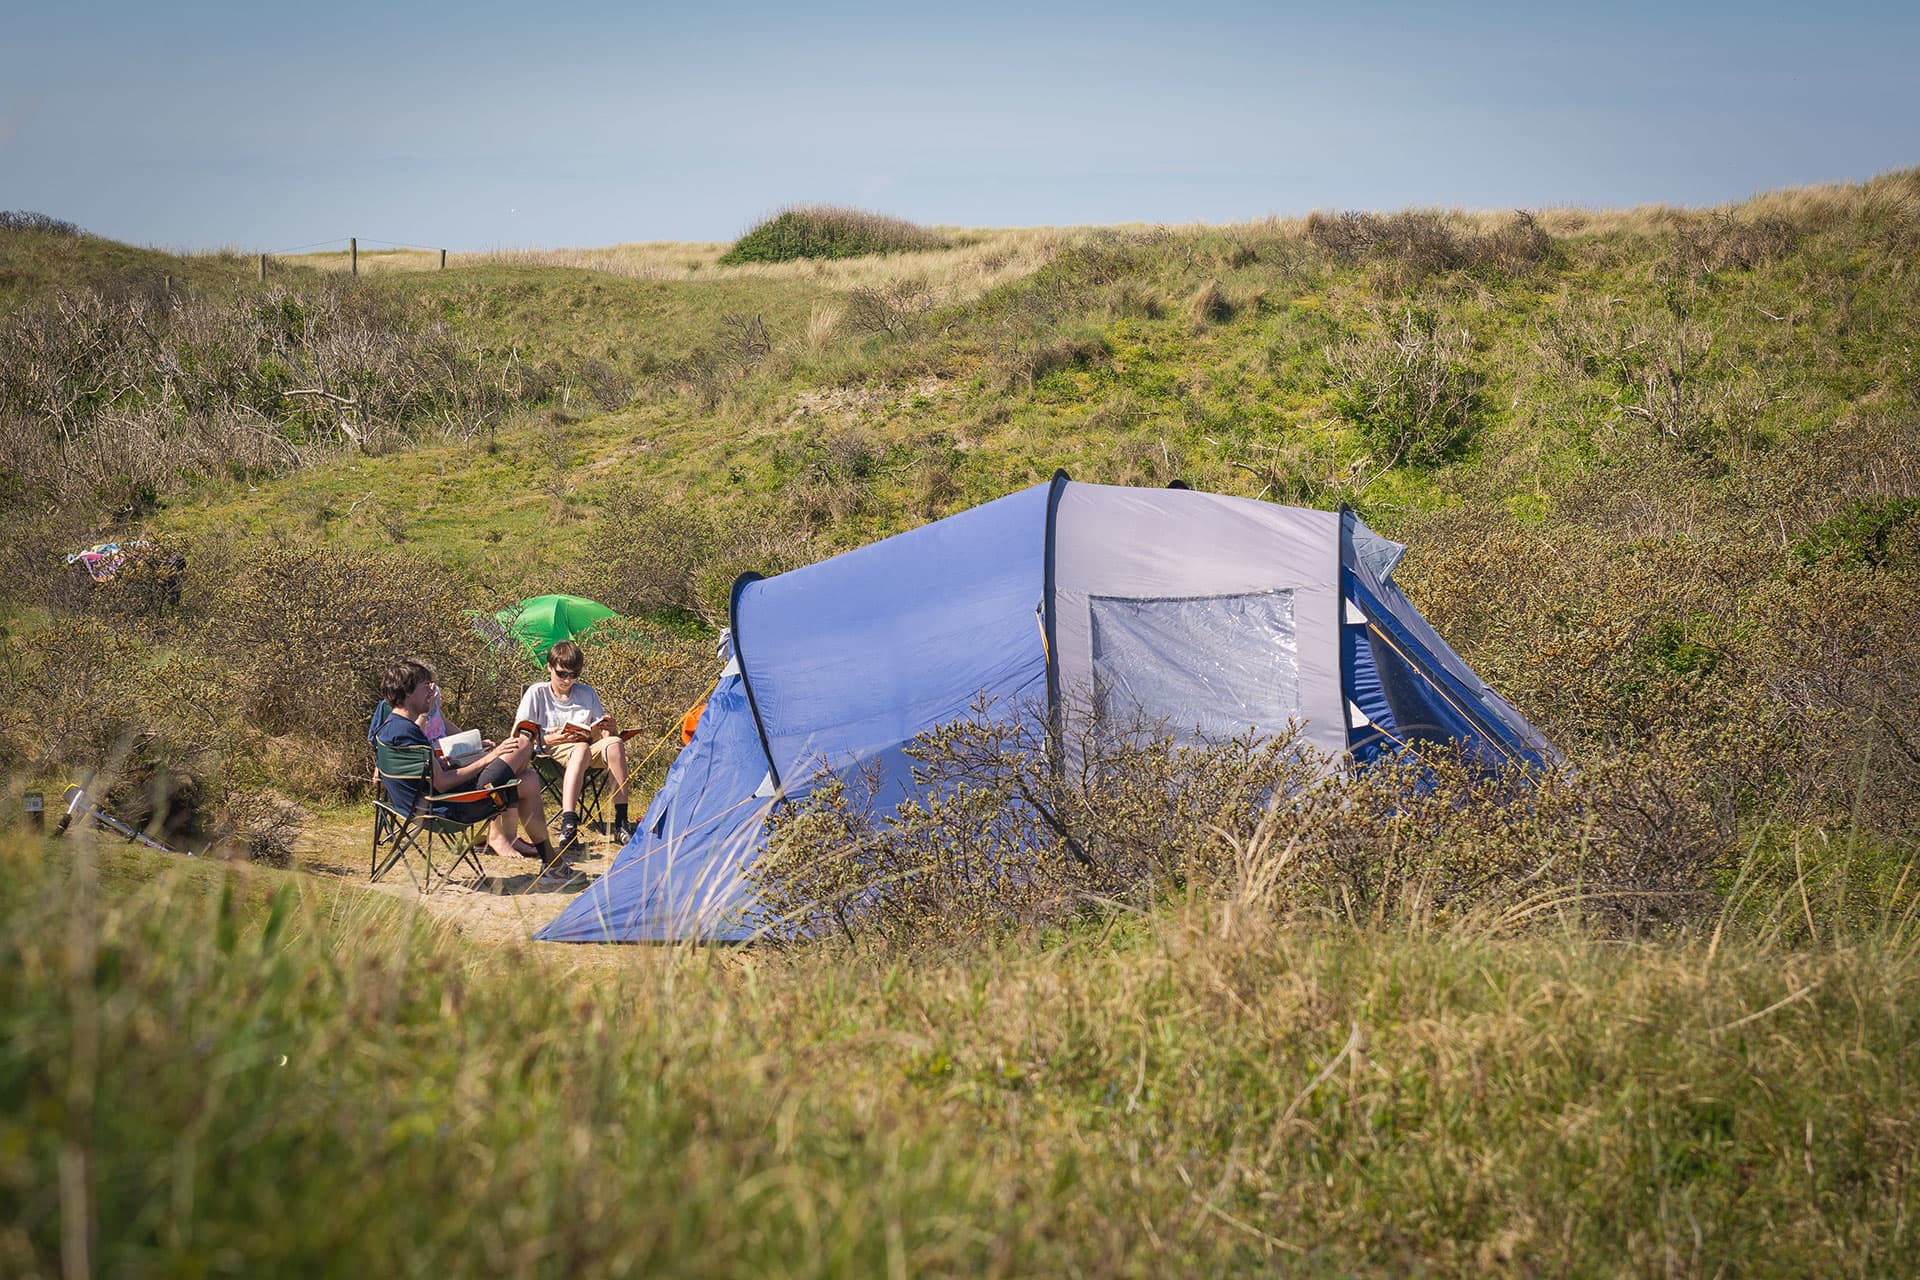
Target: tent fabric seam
<point>740,585</point>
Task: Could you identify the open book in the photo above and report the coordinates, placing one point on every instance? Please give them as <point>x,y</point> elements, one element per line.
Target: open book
<point>578,733</point>
<point>458,748</point>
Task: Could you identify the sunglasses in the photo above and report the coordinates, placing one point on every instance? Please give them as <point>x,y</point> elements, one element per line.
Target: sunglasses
<point>558,674</point>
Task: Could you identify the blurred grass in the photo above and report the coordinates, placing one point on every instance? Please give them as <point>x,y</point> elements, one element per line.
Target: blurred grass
<point>207,1070</point>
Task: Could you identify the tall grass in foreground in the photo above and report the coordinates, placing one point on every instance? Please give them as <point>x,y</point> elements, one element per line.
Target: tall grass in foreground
<point>215,1072</point>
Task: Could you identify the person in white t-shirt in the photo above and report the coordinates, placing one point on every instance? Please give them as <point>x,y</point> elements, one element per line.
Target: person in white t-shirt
<point>577,731</point>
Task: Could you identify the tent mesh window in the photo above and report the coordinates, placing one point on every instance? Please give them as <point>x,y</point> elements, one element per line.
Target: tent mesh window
<point>1203,666</point>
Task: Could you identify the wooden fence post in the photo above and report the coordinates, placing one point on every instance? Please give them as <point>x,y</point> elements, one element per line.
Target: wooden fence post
<point>263,268</point>
<point>353,247</point>
<point>443,259</point>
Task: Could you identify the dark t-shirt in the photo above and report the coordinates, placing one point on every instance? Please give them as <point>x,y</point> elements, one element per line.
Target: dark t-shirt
<point>398,731</point>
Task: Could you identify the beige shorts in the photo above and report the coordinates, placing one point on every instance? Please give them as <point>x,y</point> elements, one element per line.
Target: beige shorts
<point>563,752</point>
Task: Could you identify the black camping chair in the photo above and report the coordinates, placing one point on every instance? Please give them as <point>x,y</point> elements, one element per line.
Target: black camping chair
<point>593,789</point>
<point>398,835</point>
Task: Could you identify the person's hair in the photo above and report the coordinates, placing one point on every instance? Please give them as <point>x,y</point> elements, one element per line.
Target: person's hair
<point>566,656</point>
<point>402,677</point>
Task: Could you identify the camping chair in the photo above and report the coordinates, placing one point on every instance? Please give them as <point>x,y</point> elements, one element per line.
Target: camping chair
<point>593,789</point>
<point>397,835</point>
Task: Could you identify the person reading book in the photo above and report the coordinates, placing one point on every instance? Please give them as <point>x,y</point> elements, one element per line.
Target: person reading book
<point>412,695</point>
<point>577,732</point>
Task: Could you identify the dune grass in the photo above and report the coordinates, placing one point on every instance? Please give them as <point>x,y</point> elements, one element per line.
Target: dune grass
<point>1663,502</point>
<point>34,264</point>
<point>226,1072</point>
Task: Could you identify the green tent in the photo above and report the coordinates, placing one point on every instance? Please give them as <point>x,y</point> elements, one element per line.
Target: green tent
<point>544,621</point>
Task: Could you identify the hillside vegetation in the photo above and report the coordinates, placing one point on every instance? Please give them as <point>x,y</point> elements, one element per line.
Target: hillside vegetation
<point>826,231</point>
<point>1660,473</point>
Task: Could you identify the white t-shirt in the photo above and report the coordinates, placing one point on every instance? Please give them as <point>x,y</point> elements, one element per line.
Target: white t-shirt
<point>540,705</point>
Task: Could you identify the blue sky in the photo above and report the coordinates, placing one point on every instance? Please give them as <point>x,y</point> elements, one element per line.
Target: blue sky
<point>483,125</point>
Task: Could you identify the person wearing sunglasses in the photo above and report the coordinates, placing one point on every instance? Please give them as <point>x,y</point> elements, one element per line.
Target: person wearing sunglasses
<point>577,731</point>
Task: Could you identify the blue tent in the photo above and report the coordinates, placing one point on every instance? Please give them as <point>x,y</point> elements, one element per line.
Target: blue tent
<point>1211,614</point>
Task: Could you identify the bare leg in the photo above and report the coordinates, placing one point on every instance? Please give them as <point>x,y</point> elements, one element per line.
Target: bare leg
<point>500,835</point>
<point>520,754</point>
<point>532,816</point>
<point>617,766</point>
<point>526,807</point>
<point>576,778</point>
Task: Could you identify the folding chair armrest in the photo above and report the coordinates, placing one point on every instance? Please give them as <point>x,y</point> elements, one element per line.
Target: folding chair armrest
<point>385,805</point>
<point>472,793</point>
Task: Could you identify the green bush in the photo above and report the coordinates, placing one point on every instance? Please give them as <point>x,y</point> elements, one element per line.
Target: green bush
<point>306,633</point>
<point>1416,244</point>
<point>652,554</point>
<point>827,231</point>
<point>1408,389</point>
<point>1867,535</point>
<point>43,224</point>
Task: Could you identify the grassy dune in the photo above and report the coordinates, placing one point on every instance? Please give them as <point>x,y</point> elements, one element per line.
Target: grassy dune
<point>1660,470</point>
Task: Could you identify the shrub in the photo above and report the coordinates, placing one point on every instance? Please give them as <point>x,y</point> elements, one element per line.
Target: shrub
<point>1417,244</point>
<point>1841,668</point>
<point>1002,836</point>
<point>111,394</point>
<point>1664,370</point>
<point>253,823</point>
<point>653,554</point>
<point>648,673</point>
<point>88,700</point>
<point>1023,356</point>
<point>1867,535</point>
<point>306,634</point>
<point>1011,829</point>
<point>145,589</point>
<point>739,346</point>
<point>27,220</point>
<point>827,231</point>
<point>1408,389</point>
<point>1723,242</point>
<point>1756,625</point>
<point>895,308</point>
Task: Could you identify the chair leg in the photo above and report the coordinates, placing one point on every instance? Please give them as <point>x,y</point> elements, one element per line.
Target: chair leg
<point>460,848</point>
<point>552,780</point>
<point>451,844</point>
<point>593,795</point>
<point>379,838</point>
<point>404,843</point>
<point>465,849</point>
<point>470,855</point>
<point>404,839</point>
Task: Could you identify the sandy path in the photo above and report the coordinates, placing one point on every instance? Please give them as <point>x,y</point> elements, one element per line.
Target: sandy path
<point>506,907</point>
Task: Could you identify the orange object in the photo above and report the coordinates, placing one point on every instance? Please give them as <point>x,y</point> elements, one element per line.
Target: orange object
<point>691,721</point>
